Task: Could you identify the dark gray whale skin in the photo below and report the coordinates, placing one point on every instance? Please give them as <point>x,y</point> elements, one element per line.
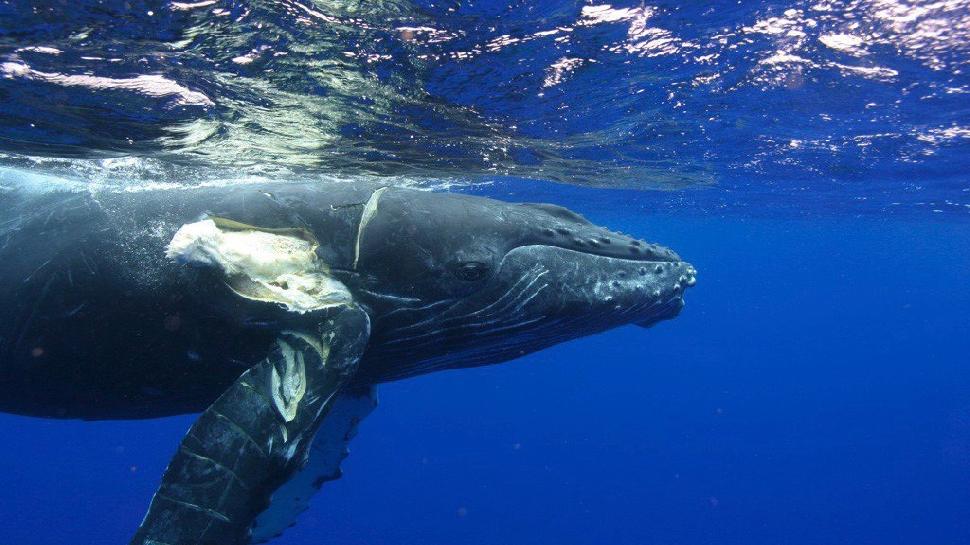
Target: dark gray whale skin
<point>97,323</point>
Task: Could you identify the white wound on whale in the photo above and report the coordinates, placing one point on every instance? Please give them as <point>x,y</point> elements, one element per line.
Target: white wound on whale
<point>370,209</point>
<point>289,387</point>
<point>277,266</point>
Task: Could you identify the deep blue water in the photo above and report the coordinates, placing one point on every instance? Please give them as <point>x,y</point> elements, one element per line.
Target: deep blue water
<point>809,158</point>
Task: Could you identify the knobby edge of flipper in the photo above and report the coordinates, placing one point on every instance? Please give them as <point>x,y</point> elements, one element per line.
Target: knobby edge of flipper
<point>329,449</point>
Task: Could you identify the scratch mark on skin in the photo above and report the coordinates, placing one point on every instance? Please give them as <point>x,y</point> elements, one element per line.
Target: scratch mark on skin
<point>488,316</point>
<point>508,327</point>
<point>396,298</point>
<point>370,209</point>
<point>403,310</point>
<point>518,292</point>
<point>257,391</point>
<point>343,206</point>
<point>33,310</point>
<point>520,306</point>
<point>209,512</point>
<point>75,310</point>
<point>37,270</point>
<point>217,464</point>
<point>242,431</point>
<point>88,263</point>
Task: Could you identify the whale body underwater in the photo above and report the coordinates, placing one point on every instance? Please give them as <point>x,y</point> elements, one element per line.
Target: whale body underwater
<point>276,310</point>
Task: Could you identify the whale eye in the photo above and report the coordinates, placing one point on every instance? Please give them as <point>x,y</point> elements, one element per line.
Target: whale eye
<point>470,271</point>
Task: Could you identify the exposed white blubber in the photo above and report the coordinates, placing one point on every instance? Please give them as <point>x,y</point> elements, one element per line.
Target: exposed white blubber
<point>261,265</point>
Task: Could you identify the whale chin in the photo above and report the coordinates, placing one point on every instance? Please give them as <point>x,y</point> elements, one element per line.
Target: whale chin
<point>673,310</point>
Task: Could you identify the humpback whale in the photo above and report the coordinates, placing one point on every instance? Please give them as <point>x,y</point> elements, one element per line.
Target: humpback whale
<point>276,310</point>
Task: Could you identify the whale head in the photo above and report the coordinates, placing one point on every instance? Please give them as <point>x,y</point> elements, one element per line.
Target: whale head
<point>458,281</point>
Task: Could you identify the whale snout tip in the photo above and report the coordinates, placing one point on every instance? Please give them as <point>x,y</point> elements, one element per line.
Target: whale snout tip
<point>685,276</point>
<point>667,299</point>
<point>689,278</point>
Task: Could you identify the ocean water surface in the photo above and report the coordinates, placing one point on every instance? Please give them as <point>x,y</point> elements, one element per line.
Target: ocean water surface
<point>810,159</point>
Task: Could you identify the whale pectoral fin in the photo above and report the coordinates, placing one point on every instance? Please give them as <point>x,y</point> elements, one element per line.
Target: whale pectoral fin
<point>328,451</point>
<point>254,437</point>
